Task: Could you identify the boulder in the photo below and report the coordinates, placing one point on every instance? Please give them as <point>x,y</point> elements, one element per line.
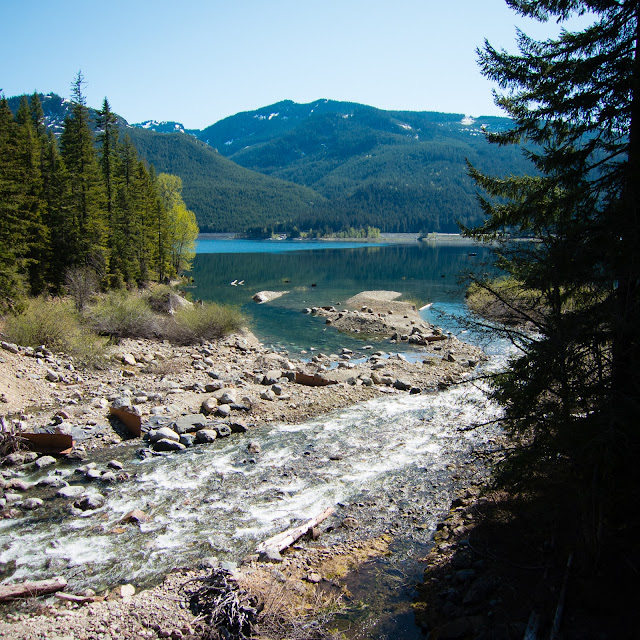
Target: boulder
<point>190,422</point>
<point>224,411</point>
<point>229,396</point>
<point>206,436</point>
<point>32,503</point>
<point>188,439</point>
<point>53,481</point>
<point>223,430</point>
<point>209,405</point>
<point>14,459</point>
<point>70,491</point>
<point>45,461</point>
<point>90,501</point>
<point>254,447</point>
<point>163,433</point>
<point>272,376</point>
<point>402,385</point>
<point>137,515</point>
<point>165,444</point>
<point>237,426</point>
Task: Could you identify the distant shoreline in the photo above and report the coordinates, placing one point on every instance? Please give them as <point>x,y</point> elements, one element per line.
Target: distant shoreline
<point>385,238</point>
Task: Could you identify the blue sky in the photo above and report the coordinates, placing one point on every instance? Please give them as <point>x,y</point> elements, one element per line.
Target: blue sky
<point>198,61</point>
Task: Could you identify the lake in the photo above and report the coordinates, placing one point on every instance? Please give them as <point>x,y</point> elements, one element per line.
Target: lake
<point>317,273</point>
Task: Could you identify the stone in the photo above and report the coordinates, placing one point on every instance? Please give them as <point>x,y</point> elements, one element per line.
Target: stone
<point>125,591</point>
<point>128,359</point>
<point>108,477</point>
<point>163,433</point>
<point>157,421</point>
<point>70,491</point>
<point>90,501</point>
<point>209,406</point>
<point>238,426</point>
<point>206,436</point>
<point>188,439</point>
<point>53,481</point>
<point>137,515</point>
<point>32,503</point>
<point>268,395</point>
<point>14,459</point>
<point>402,385</point>
<point>350,523</point>
<point>45,461</point>
<point>190,422</point>
<point>165,444</point>
<point>115,464</point>
<point>272,376</point>
<point>314,577</point>
<point>121,402</point>
<point>52,376</point>
<point>19,485</point>
<point>229,396</point>
<point>223,430</point>
<point>224,411</point>
<point>10,347</point>
<point>254,447</point>
<point>93,474</point>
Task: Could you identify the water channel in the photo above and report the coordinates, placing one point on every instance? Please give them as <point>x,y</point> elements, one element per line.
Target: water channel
<point>393,463</point>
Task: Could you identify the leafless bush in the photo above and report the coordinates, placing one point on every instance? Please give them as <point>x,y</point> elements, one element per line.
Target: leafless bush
<point>82,283</point>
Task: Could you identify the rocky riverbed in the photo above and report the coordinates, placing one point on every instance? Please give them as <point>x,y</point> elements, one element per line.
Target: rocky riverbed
<point>225,387</point>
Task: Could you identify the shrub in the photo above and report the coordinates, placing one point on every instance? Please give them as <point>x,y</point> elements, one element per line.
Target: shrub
<point>121,314</point>
<point>201,322</point>
<point>55,324</point>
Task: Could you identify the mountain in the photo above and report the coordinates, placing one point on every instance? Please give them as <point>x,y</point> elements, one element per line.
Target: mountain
<point>396,170</point>
<point>324,165</point>
<point>224,195</point>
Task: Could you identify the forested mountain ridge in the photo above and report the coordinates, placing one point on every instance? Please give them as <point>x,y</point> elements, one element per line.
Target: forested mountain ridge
<point>325,165</point>
<point>223,195</point>
<point>396,170</point>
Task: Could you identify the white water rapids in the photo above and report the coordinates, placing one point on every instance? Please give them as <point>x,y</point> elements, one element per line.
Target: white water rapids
<point>391,462</point>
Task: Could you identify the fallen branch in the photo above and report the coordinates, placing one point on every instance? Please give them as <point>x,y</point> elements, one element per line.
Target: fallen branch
<point>288,537</point>
<point>70,597</point>
<point>31,589</point>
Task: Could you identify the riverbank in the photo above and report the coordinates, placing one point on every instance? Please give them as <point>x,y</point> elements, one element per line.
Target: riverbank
<point>42,389</point>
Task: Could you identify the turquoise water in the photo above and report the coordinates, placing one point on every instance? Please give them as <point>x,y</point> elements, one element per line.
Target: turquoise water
<point>321,274</point>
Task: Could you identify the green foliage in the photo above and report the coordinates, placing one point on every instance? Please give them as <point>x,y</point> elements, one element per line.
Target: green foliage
<point>55,324</point>
<point>573,390</point>
<point>208,321</point>
<point>223,195</point>
<point>93,205</point>
<point>121,314</point>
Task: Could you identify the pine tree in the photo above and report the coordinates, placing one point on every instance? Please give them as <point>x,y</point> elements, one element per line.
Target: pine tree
<point>29,158</point>
<point>87,212</point>
<point>13,232</point>
<point>575,103</point>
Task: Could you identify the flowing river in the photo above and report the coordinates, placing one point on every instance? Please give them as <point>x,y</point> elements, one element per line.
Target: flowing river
<point>393,463</point>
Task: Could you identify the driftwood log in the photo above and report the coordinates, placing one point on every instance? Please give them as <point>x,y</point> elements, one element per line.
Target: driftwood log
<point>31,589</point>
<point>288,537</point>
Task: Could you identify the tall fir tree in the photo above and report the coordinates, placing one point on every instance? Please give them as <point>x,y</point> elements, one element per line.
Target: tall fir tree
<point>87,223</point>
<point>13,230</point>
<point>575,103</point>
